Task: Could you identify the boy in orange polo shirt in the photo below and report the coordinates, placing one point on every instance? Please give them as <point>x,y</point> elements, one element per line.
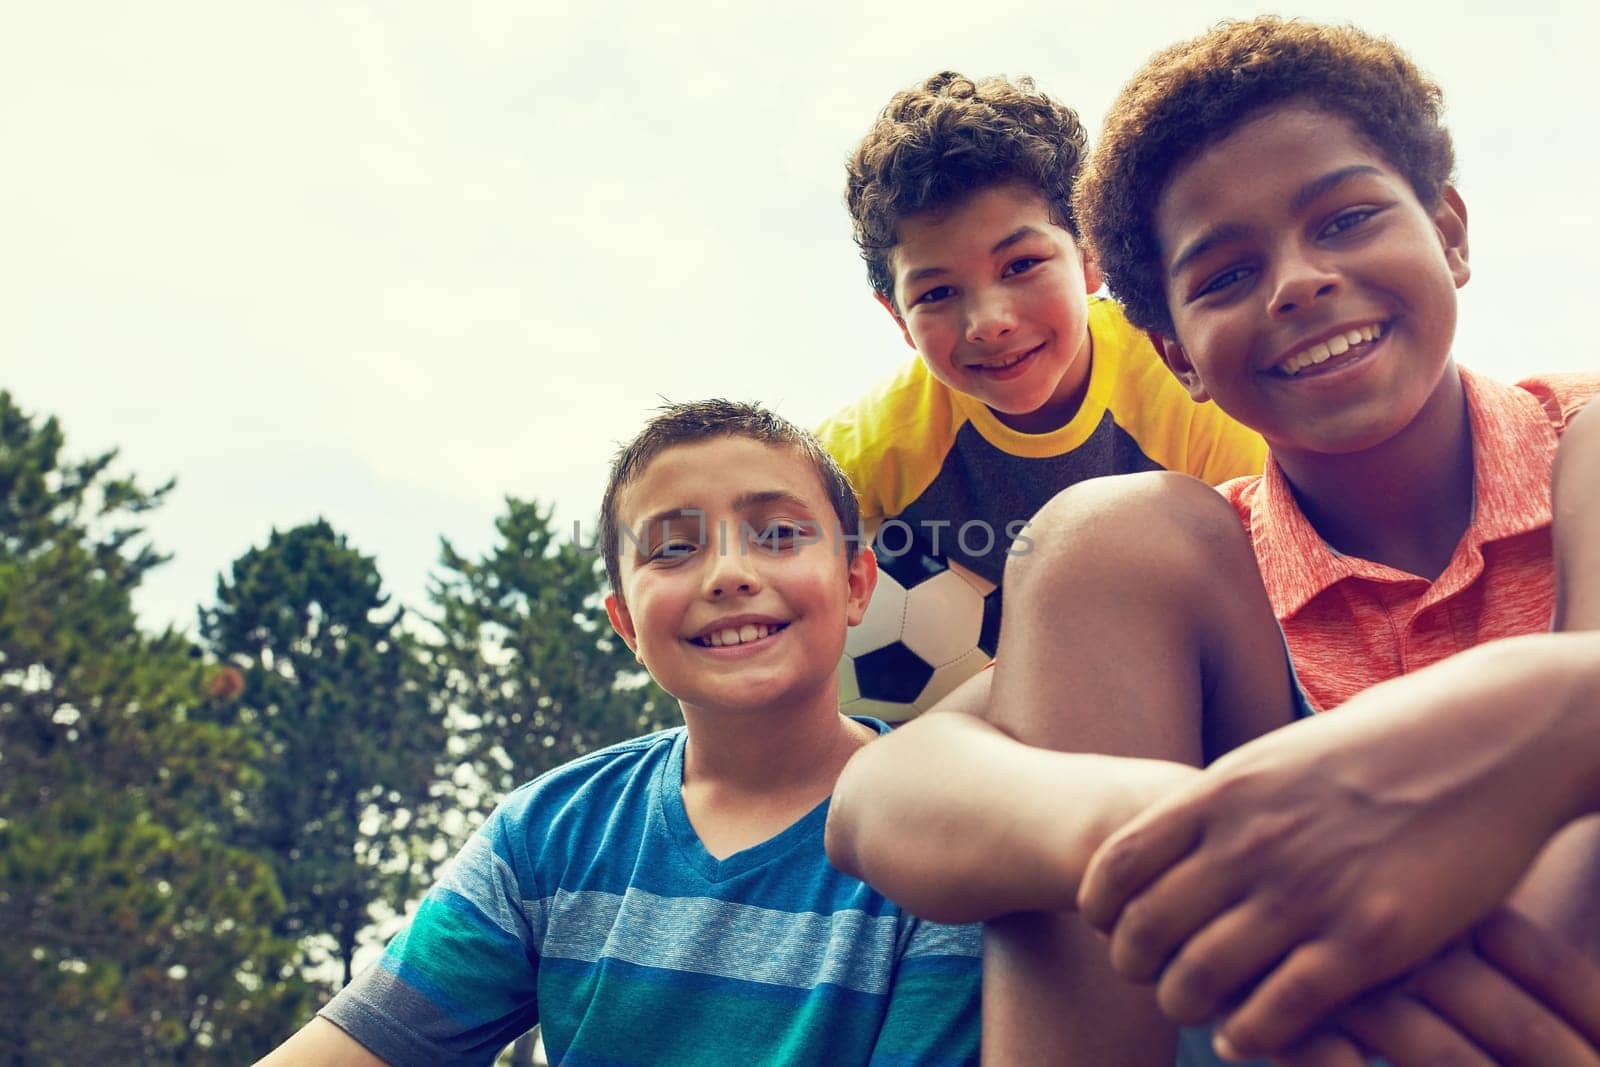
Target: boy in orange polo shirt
<point>1405,518</point>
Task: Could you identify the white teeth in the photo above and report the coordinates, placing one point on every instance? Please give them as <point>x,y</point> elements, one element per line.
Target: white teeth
<point>1337,345</point>
<point>750,631</point>
<point>1004,363</point>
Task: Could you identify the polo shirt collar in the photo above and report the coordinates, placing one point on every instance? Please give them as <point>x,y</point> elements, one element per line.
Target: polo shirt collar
<point>1513,446</point>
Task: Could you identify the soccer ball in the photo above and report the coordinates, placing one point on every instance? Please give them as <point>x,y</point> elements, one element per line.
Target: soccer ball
<point>931,625</point>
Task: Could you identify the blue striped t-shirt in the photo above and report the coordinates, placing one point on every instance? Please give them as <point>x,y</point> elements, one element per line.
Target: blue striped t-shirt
<point>587,904</point>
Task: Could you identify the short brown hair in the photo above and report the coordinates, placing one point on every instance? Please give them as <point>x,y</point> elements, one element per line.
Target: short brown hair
<point>1195,93</point>
<point>704,420</point>
<point>948,138</point>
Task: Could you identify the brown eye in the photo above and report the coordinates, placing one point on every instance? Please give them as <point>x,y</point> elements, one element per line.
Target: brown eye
<point>1019,266</point>
<point>1231,276</point>
<point>1347,221</point>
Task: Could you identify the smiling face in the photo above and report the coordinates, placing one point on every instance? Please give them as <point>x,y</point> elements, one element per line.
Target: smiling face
<point>993,296</point>
<point>736,591</point>
<point>1312,293</point>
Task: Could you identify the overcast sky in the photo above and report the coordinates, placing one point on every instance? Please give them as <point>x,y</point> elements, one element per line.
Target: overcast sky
<point>387,263</point>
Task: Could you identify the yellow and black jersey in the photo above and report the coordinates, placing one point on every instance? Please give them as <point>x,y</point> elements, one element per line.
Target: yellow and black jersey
<point>962,483</point>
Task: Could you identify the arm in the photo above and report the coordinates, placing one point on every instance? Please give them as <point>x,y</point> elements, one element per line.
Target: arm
<point>993,808</point>
<point>1511,991</point>
<point>456,985</point>
<point>320,1044</point>
<point>1350,847</point>
<point>1575,492</point>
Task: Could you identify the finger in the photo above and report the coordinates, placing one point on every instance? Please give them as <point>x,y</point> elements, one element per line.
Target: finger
<point>1553,972</point>
<point>1218,964</point>
<point>1406,1031</point>
<point>1310,982</point>
<point>1322,1049</point>
<point>1169,910</point>
<point>1497,1015</point>
<point>1127,861</point>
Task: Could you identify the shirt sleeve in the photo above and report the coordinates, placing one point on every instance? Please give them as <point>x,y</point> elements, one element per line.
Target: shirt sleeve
<point>459,983</point>
<point>842,437</point>
<point>1562,395</point>
<point>935,1001</point>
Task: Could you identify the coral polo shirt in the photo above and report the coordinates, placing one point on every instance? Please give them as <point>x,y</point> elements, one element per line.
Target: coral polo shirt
<point>1351,623</point>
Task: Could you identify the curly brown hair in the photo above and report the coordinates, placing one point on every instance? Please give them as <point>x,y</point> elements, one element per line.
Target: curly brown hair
<point>704,420</point>
<point>1195,93</point>
<point>948,137</point>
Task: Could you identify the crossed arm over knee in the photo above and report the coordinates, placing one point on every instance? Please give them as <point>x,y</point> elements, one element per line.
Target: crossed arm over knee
<point>1428,802</point>
<point>1337,854</point>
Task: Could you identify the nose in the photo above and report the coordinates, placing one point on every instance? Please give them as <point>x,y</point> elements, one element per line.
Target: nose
<point>1300,281</point>
<point>990,316</point>
<point>732,571</point>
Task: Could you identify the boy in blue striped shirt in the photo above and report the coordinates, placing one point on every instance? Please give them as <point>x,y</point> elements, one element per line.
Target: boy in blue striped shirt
<point>668,900</point>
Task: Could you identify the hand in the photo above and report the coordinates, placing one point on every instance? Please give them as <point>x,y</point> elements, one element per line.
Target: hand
<point>1511,995</point>
<point>1334,854</point>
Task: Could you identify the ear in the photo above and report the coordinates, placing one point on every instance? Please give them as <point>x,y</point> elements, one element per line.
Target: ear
<point>1450,219</point>
<point>1093,277</point>
<point>1177,361</point>
<point>621,621</point>
<point>888,305</point>
<point>863,579</point>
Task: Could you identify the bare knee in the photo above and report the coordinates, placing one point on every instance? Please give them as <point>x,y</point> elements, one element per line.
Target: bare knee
<point>1157,527</point>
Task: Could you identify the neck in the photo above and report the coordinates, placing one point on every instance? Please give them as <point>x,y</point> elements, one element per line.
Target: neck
<point>1404,503</point>
<point>774,750</point>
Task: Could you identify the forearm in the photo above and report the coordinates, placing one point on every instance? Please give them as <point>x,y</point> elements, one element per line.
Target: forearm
<point>957,822</point>
<point>1515,721</point>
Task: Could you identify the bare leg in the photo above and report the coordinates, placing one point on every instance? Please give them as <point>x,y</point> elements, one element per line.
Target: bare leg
<point>1136,625</point>
<point>1576,492</point>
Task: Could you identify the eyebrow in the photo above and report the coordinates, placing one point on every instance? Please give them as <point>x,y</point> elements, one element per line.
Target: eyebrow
<point>764,497</point>
<point>1000,246</point>
<point>743,502</point>
<point>1303,198</point>
<point>661,518</point>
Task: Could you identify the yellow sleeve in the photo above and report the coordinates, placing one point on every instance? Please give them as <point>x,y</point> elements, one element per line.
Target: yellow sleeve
<point>892,442</point>
<point>1156,410</point>
<point>1220,448</point>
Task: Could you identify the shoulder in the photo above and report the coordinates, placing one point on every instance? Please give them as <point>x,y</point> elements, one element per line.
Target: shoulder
<point>556,823</point>
<point>911,400</point>
<point>607,780</point>
<point>891,440</point>
<point>1562,395</point>
<point>1134,384</point>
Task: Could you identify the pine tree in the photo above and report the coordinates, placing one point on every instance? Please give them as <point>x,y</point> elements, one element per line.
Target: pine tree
<point>334,695</point>
<point>526,659</point>
<point>134,932</point>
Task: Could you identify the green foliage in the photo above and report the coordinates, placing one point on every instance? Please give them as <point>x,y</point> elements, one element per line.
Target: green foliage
<point>133,931</point>
<point>526,658</point>
<point>335,698</point>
